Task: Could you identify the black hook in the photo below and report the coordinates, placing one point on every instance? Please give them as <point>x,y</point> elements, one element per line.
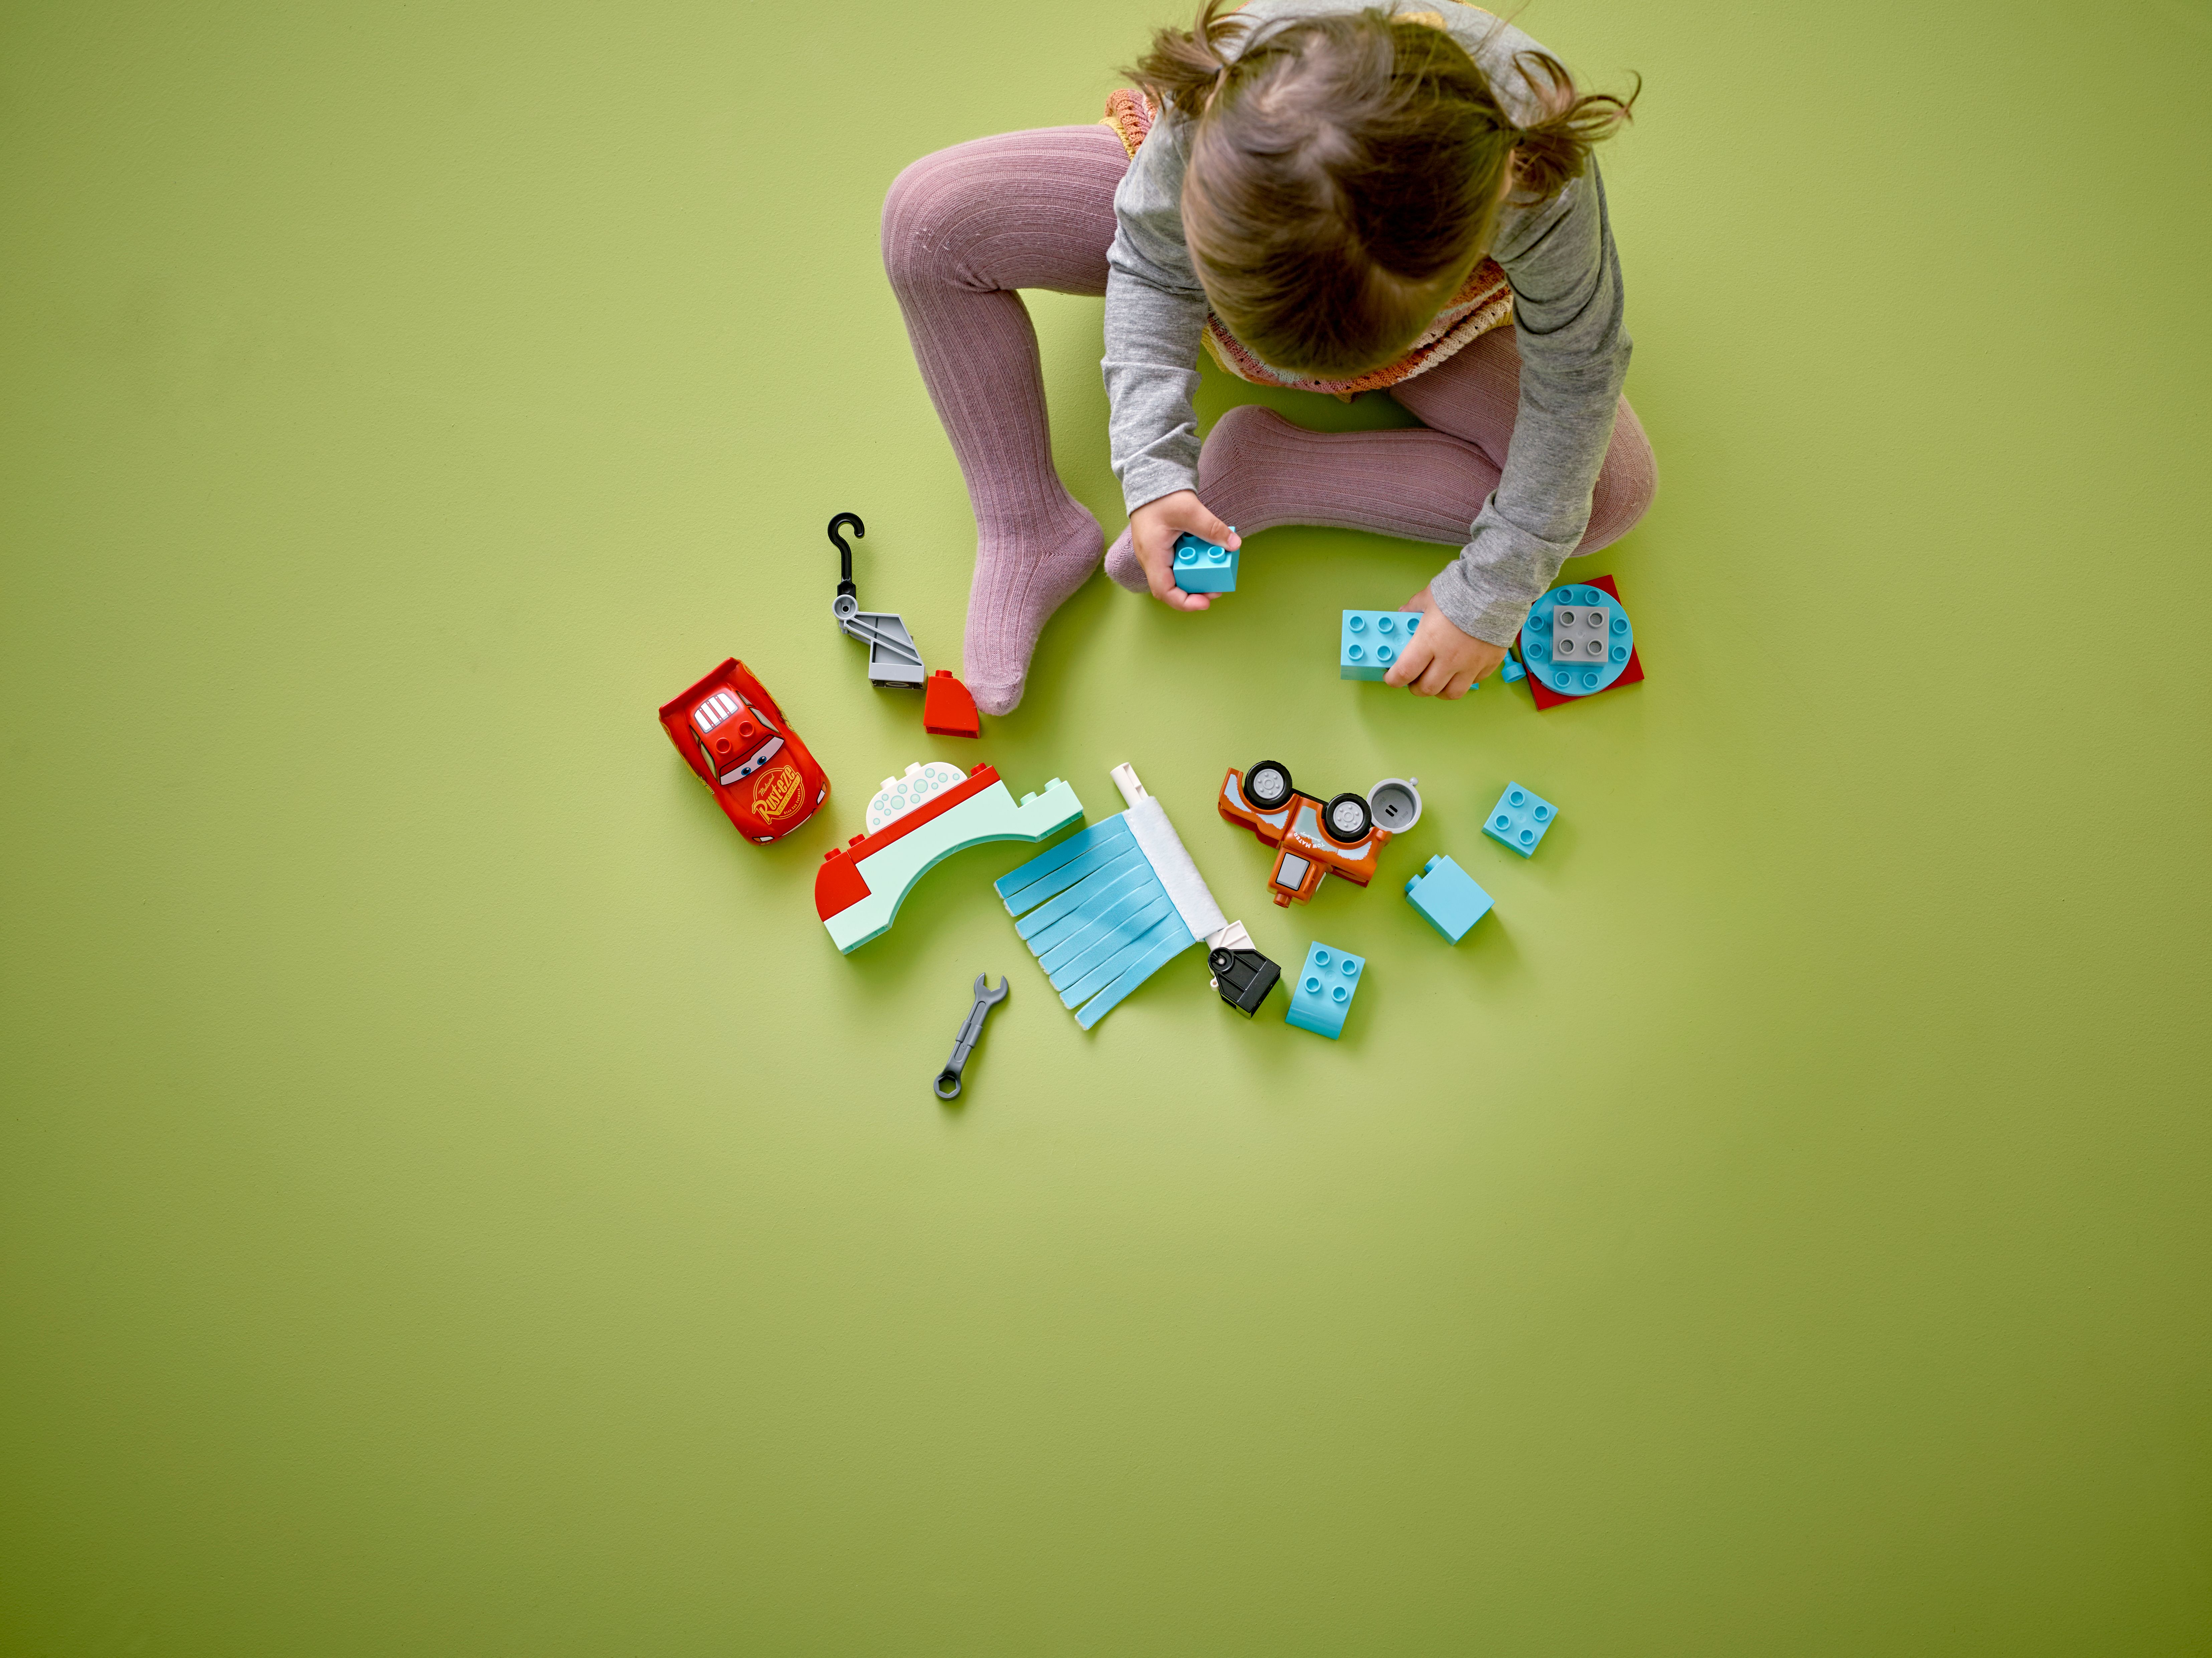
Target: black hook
<point>845,550</point>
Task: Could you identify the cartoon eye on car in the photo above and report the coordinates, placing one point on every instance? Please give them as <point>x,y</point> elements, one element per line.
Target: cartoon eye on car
<point>730,731</point>
<point>1345,835</point>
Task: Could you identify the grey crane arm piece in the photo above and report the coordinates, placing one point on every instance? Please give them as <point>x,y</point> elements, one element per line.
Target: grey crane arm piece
<point>894,659</point>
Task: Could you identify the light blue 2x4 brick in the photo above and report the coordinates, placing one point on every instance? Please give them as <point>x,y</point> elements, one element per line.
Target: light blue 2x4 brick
<point>1371,640</point>
<point>1519,819</point>
<point>1447,896</point>
<point>1203,566</point>
<point>1321,994</point>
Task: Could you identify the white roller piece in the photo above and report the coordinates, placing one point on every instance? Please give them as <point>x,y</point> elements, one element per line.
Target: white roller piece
<point>1163,850</point>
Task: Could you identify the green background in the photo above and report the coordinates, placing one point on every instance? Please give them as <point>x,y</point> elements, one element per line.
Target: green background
<point>457,1201</point>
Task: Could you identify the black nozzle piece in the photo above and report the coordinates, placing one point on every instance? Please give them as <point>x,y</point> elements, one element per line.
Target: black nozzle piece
<point>1244,977</point>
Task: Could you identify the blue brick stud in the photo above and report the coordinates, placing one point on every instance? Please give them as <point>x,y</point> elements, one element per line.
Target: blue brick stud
<point>1203,566</point>
<point>1448,897</point>
<point>1519,819</point>
<point>1323,994</point>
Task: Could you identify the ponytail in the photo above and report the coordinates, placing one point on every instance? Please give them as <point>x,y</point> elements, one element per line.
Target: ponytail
<point>1189,68</point>
<point>1553,150</point>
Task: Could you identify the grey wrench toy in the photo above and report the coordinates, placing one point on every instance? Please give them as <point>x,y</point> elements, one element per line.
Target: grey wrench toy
<point>971,1032</point>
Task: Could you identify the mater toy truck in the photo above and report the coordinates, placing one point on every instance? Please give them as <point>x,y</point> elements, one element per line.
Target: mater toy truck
<point>1345,834</point>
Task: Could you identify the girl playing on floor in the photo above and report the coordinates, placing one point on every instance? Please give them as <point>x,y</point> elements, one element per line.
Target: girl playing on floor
<point>1331,197</point>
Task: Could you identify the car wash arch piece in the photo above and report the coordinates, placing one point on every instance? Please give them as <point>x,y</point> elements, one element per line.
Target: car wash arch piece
<point>1106,909</point>
<point>914,823</point>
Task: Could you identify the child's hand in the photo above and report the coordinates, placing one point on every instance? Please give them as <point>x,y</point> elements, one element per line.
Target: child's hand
<point>1153,528</point>
<point>1441,660</point>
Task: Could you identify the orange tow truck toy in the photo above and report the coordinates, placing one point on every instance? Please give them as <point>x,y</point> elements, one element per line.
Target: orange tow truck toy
<point>1345,835</point>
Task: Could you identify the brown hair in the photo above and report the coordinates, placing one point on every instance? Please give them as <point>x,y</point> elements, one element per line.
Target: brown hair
<point>1344,168</point>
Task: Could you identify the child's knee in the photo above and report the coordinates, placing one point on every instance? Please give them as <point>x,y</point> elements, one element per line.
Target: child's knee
<point>923,201</point>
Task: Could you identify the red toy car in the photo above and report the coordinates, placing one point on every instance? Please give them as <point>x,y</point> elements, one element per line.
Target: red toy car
<point>730,730</point>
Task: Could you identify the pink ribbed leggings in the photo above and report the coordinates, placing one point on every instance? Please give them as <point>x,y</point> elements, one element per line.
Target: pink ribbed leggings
<point>966,228</point>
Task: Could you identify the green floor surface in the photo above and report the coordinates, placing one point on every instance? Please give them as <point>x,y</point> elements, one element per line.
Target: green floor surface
<point>454,1199</point>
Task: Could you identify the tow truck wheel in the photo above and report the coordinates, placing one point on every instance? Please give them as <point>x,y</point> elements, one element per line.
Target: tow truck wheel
<point>1346,819</point>
<point>1268,784</point>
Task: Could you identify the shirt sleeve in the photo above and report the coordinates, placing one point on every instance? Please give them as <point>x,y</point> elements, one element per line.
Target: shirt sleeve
<point>1567,319</point>
<point>1155,314</point>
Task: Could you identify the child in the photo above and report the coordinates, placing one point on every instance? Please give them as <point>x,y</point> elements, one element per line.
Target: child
<point>1321,199</point>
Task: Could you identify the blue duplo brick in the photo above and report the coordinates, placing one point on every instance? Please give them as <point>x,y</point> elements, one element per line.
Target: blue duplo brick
<point>1204,567</point>
<point>1321,994</point>
<point>1448,897</point>
<point>1371,640</point>
<point>1519,819</point>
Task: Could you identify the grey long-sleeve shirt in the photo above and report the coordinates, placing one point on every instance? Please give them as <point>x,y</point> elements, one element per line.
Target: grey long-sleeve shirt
<point>1567,304</point>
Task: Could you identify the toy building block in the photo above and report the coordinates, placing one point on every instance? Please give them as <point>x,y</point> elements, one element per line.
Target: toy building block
<point>915,823</point>
<point>1203,566</point>
<point>1581,634</point>
<point>1448,897</point>
<point>894,659</point>
<point>1519,819</point>
<point>1629,673</point>
<point>947,710</point>
<point>1513,670</point>
<point>1370,641</point>
<point>1323,994</point>
<point>1243,977</point>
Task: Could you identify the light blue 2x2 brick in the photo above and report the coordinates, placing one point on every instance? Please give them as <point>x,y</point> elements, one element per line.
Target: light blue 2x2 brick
<point>1519,819</point>
<point>1447,896</point>
<point>1202,567</point>
<point>1321,994</point>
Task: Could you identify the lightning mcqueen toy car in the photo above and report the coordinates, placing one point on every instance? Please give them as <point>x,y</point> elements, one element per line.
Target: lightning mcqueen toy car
<point>730,730</point>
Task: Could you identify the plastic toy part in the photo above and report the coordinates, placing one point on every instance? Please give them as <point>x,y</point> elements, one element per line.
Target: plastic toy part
<point>1579,636</point>
<point>1448,897</point>
<point>1106,909</point>
<point>1520,819</point>
<point>1203,566</point>
<point>859,887</point>
<point>901,795</point>
<point>1565,654</point>
<point>1371,640</point>
<point>1396,804</point>
<point>1322,995</point>
<point>1243,977</point>
<point>947,710</point>
<point>730,731</point>
<point>894,659</point>
<point>971,1032</point>
<point>1513,670</point>
<point>1343,836</point>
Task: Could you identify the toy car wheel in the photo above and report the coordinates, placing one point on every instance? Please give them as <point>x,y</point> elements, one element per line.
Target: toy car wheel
<point>1346,819</point>
<point>1268,784</point>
